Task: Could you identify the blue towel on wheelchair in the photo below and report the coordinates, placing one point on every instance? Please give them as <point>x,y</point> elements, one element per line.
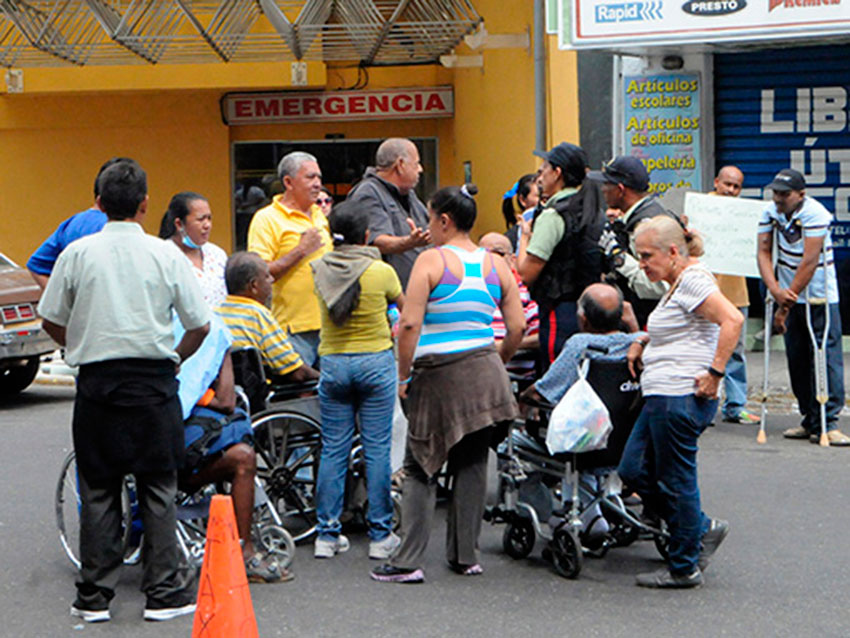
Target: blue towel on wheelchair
<point>199,371</point>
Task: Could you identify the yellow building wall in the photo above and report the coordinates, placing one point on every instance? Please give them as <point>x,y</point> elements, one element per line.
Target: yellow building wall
<point>68,121</point>
<point>53,146</point>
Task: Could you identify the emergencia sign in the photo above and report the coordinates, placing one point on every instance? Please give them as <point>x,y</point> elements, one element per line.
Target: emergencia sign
<point>390,104</point>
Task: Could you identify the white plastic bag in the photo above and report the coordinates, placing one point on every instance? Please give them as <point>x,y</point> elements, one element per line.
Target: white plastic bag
<point>399,436</point>
<point>580,422</point>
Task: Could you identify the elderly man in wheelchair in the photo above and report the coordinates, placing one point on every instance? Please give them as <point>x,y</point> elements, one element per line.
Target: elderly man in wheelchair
<point>219,442</point>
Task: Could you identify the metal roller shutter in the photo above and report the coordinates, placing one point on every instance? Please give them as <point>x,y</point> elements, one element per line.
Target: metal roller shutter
<point>777,108</point>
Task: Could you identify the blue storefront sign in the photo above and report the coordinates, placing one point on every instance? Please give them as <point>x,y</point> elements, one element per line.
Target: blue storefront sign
<point>783,108</point>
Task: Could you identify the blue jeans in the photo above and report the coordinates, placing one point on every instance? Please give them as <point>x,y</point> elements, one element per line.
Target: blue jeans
<point>735,382</point>
<point>801,364</point>
<point>306,344</point>
<point>660,463</point>
<point>357,388</point>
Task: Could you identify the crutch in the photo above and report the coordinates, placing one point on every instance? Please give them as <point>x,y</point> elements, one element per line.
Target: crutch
<point>821,381</point>
<point>768,324</point>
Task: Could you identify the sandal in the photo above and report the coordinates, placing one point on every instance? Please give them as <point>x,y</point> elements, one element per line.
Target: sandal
<point>466,570</point>
<point>835,438</point>
<point>265,569</point>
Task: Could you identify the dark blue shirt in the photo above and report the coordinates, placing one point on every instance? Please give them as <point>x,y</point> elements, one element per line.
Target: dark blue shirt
<point>82,224</point>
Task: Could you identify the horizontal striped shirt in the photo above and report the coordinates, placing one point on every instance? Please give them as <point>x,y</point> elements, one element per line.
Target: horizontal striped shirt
<point>810,220</point>
<point>459,313</point>
<point>681,343</point>
<point>252,325</point>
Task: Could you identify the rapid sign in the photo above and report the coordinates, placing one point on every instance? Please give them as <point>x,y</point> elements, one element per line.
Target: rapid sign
<point>606,23</point>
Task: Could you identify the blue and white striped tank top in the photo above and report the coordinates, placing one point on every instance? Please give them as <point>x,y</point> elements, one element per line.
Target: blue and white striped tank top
<point>459,313</point>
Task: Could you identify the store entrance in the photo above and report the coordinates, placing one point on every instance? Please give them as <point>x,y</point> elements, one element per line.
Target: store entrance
<point>342,162</point>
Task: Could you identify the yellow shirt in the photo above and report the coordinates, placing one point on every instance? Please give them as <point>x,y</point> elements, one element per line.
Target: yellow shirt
<point>368,329</point>
<point>274,231</point>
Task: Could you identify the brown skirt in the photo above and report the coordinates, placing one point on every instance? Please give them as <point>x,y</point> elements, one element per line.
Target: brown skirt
<point>452,395</point>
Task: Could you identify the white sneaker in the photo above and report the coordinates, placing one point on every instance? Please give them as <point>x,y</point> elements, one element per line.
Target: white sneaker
<point>384,548</point>
<point>328,549</point>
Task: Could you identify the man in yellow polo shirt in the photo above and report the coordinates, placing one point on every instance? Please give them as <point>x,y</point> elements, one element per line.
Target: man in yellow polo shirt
<point>288,234</point>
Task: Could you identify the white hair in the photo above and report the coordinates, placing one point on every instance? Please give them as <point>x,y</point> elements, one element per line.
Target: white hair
<point>291,163</point>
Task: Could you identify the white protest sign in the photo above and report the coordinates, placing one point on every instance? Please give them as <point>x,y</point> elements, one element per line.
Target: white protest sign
<point>729,227</point>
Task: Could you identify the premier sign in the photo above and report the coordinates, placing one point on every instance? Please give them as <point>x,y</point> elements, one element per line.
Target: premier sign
<point>388,104</point>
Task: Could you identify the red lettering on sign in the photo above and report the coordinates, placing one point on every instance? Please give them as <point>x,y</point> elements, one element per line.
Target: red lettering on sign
<point>435,102</point>
<point>357,104</point>
<point>335,105</point>
<point>397,106</point>
<point>379,103</point>
<point>292,106</point>
<point>243,108</point>
<point>267,108</point>
<point>312,105</point>
<point>418,101</point>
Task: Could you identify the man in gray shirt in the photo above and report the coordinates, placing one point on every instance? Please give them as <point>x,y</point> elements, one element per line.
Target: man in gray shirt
<point>398,220</point>
<point>109,302</point>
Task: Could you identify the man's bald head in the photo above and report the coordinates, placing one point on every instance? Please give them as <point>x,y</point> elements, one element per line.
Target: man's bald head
<point>241,269</point>
<point>496,243</point>
<point>600,308</point>
<point>397,161</point>
<point>729,181</point>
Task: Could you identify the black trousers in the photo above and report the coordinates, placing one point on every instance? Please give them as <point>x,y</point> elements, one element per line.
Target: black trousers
<point>166,578</point>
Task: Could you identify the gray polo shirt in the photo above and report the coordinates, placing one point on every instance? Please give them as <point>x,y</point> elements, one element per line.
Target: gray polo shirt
<point>114,292</point>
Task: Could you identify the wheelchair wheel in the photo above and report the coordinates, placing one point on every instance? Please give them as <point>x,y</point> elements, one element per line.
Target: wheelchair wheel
<point>518,538</point>
<point>566,553</point>
<point>662,543</point>
<point>277,542</point>
<point>288,447</point>
<point>67,506</point>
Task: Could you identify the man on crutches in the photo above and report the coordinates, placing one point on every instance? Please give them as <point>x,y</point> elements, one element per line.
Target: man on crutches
<point>804,285</point>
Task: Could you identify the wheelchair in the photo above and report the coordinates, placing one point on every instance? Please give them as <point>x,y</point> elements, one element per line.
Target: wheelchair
<point>286,421</point>
<point>561,497</point>
<point>192,514</point>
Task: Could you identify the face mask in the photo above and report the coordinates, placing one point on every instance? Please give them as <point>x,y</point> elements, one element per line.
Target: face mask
<point>187,241</point>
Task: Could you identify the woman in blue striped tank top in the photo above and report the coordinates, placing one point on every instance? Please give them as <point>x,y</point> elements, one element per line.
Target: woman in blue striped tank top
<point>457,387</point>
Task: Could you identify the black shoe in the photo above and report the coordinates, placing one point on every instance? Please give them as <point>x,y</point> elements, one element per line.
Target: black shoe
<point>89,615</point>
<point>179,605</point>
<point>663,579</point>
<point>711,540</point>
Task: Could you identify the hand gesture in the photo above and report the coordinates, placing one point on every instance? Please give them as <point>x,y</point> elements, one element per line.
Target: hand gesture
<point>634,357</point>
<point>609,243</point>
<point>417,236</point>
<point>785,297</point>
<point>779,327</point>
<point>706,385</point>
<point>310,242</point>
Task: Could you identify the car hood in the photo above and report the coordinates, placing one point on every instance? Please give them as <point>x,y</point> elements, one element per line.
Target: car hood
<point>17,286</point>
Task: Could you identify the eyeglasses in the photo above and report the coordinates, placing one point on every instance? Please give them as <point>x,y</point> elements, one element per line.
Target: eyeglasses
<point>324,200</point>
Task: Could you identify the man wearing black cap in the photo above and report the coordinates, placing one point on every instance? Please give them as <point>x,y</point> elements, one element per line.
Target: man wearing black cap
<point>624,184</point>
<point>801,227</point>
<point>559,254</point>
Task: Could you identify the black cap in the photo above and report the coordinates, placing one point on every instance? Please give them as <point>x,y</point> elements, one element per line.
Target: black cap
<point>570,158</point>
<point>623,169</point>
<point>788,180</point>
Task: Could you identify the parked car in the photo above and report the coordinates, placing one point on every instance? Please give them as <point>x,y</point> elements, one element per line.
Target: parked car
<point>22,339</point>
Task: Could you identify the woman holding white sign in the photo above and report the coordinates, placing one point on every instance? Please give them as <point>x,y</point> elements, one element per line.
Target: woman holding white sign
<point>691,334</point>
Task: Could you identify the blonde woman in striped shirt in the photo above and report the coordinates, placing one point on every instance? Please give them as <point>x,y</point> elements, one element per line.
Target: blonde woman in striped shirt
<point>457,382</point>
<point>692,333</point>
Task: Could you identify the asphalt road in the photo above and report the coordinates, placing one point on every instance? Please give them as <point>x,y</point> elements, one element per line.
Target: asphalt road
<point>784,570</point>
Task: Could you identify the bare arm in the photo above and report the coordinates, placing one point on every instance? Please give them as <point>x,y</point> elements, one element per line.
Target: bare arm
<point>56,332</point>
<point>783,296</point>
<point>399,302</point>
<point>310,242</point>
<point>191,341</point>
<point>410,325</point>
<point>812,248</point>
<point>392,245</point>
<point>224,388</point>
<point>718,309</point>
<point>511,307</point>
<point>529,266</point>
<point>40,279</point>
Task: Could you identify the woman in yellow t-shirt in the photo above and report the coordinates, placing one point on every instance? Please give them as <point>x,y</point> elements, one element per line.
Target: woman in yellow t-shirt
<point>358,379</point>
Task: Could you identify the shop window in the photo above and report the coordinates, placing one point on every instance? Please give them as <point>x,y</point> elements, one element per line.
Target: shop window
<point>343,163</point>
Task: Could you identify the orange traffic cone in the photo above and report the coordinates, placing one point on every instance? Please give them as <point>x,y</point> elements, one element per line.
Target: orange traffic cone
<point>224,601</point>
